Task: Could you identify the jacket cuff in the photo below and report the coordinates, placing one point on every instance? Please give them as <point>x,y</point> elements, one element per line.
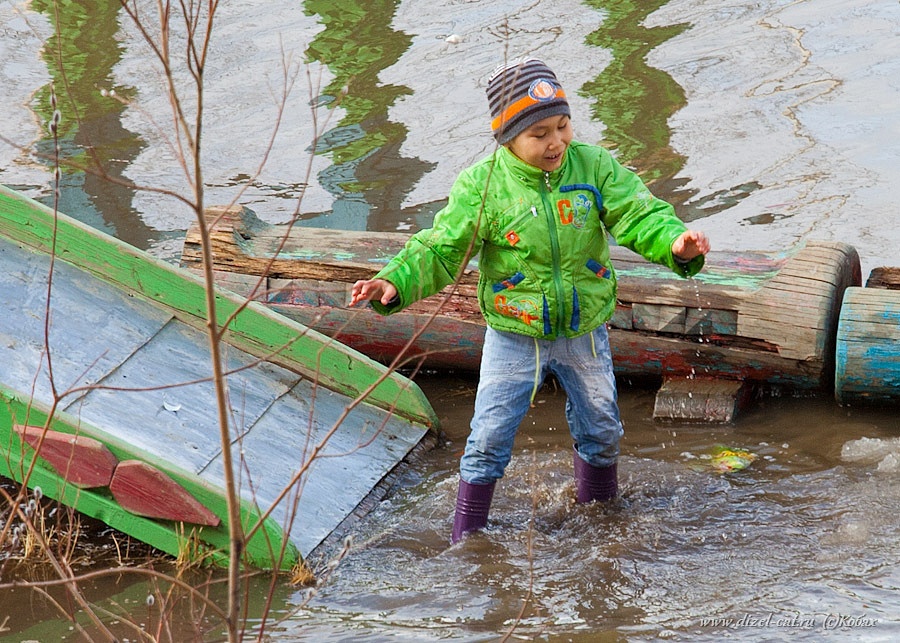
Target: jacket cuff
<point>690,267</point>
<point>386,309</point>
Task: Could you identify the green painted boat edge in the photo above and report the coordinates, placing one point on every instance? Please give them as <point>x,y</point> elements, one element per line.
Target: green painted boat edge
<point>263,550</point>
<point>255,329</point>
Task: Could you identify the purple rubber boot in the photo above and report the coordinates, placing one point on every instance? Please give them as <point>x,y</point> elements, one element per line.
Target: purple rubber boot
<point>594,483</point>
<point>473,501</point>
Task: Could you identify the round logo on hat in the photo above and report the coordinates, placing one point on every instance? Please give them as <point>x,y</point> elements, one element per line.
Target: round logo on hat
<point>542,90</point>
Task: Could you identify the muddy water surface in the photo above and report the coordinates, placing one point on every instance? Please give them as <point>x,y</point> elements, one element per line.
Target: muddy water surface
<point>806,534</point>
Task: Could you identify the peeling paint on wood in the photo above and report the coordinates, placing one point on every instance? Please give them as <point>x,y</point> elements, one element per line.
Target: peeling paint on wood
<point>144,490</point>
<point>867,365</point>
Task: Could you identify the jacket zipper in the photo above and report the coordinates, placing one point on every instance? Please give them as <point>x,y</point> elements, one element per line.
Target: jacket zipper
<point>554,249</point>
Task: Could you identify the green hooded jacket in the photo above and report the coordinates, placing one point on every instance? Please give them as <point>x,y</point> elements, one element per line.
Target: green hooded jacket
<point>541,241</point>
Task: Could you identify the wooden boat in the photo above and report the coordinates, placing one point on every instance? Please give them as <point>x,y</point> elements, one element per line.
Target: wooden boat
<point>748,317</point>
<point>126,428</point>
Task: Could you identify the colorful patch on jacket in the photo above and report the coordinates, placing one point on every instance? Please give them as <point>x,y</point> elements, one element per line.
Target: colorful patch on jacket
<point>525,310</point>
<point>509,283</point>
<point>512,237</point>
<point>598,269</point>
<point>574,213</point>
<point>581,205</point>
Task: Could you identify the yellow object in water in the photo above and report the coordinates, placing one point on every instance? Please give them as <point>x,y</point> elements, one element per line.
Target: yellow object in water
<point>725,459</point>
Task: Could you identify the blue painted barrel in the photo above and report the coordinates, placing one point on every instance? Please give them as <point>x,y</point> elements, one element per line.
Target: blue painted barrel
<point>867,354</point>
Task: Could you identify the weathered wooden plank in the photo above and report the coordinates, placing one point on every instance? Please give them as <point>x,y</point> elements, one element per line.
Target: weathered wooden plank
<point>646,355</point>
<point>711,401</point>
<point>278,416</point>
<point>708,321</point>
<point>254,328</point>
<point>91,329</point>
<point>169,414</point>
<point>662,319</point>
<point>351,456</point>
<point>622,316</point>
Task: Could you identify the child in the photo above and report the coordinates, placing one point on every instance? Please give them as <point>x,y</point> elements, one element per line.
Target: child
<point>537,212</point>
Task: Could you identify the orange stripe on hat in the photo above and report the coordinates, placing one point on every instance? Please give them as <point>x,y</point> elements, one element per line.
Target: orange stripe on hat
<point>520,105</point>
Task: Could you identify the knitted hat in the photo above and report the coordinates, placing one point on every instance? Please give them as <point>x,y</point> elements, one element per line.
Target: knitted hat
<point>522,93</point>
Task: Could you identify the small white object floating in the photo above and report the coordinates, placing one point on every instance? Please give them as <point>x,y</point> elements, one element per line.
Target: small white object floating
<point>453,39</point>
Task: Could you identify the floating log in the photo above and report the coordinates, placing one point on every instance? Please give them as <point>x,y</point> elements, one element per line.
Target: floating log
<point>760,317</point>
<point>867,354</point>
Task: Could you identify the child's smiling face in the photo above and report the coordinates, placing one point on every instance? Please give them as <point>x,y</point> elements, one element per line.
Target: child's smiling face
<point>544,144</point>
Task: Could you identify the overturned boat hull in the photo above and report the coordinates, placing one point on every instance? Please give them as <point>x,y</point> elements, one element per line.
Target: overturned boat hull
<point>109,407</point>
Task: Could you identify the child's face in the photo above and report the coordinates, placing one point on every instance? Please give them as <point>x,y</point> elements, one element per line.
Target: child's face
<point>544,143</point>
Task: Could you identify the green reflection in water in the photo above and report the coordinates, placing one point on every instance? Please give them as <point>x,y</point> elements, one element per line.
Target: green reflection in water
<point>633,99</point>
<point>368,176</point>
<point>80,56</point>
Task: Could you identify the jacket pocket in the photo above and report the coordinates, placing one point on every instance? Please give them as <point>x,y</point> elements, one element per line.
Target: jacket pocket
<point>511,226</point>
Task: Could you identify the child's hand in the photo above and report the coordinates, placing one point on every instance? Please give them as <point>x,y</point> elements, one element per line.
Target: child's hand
<point>368,289</point>
<point>690,244</point>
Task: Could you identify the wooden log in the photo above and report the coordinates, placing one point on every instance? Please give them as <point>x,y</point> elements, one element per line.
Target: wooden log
<point>867,355</point>
<point>887,278</point>
<point>760,316</point>
<point>663,319</point>
<point>697,399</point>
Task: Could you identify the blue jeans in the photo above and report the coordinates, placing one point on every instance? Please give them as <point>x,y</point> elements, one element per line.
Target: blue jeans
<point>512,368</point>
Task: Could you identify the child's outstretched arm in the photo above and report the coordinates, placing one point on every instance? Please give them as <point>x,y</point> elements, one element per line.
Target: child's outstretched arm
<point>368,289</point>
<point>689,245</point>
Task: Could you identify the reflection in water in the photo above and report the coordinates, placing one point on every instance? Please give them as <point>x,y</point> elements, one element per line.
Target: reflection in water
<point>80,57</point>
<point>633,99</point>
<point>368,177</point>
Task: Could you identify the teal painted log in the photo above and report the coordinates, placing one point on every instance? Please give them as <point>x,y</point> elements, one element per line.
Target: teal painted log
<point>867,356</point>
